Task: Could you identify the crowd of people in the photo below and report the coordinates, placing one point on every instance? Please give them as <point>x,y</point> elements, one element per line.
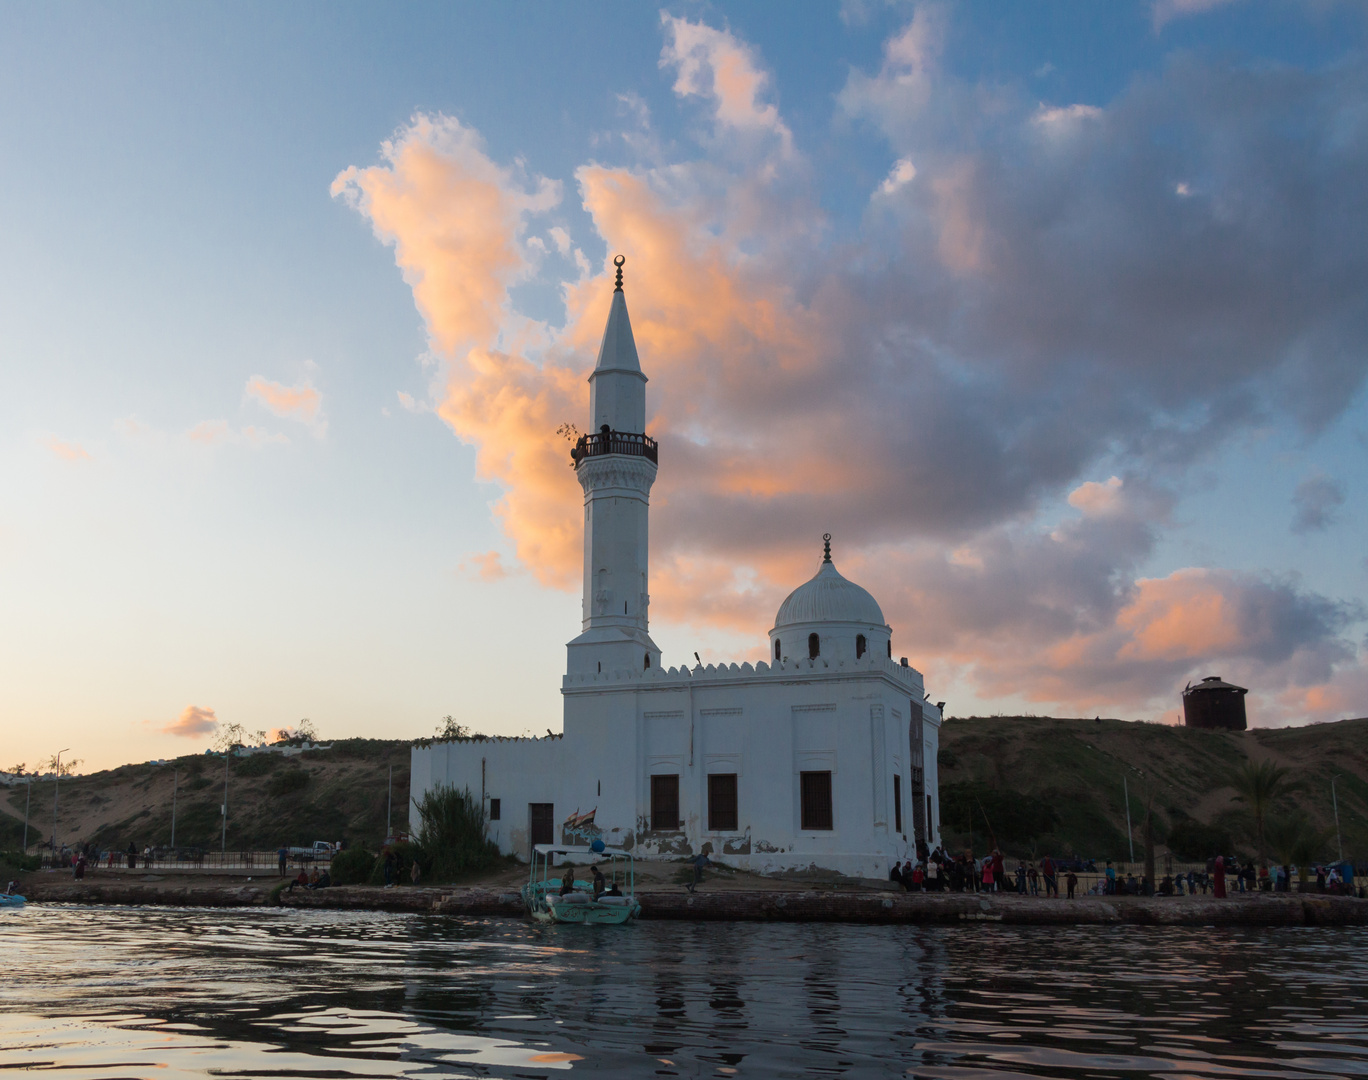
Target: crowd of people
<point>936,871</point>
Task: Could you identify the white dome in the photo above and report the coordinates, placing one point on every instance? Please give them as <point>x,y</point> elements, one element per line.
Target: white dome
<point>828,598</point>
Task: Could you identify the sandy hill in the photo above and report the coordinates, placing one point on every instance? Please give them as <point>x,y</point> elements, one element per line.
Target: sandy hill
<point>1039,783</point>
<point>1047,783</point>
<point>319,795</point>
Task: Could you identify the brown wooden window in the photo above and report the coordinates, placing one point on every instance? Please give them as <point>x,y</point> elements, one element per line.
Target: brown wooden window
<point>814,645</point>
<point>665,802</point>
<point>722,802</point>
<point>815,791</point>
<point>897,804</point>
<point>494,809</point>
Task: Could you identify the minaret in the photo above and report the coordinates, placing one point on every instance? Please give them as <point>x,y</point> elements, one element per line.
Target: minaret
<point>616,466</point>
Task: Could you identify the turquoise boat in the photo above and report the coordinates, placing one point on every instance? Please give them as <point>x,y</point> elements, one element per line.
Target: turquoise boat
<point>546,903</point>
<point>11,900</point>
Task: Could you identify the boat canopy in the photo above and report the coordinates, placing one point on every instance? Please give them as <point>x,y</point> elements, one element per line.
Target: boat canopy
<point>578,849</point>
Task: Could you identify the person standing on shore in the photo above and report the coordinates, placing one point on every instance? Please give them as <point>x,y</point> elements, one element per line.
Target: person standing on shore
<point>1072,882</point>
<point>1218,877</point>
<point>1048,872</point>
<point>283,858</point>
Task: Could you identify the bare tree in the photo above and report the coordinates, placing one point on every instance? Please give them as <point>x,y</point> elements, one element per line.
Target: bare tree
<point>55,764</point>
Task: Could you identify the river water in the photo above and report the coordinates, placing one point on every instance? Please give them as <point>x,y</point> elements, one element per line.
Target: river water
<point>166,993</point>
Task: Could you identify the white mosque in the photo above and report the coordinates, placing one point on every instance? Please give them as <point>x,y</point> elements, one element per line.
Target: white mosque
<point>822,758</point>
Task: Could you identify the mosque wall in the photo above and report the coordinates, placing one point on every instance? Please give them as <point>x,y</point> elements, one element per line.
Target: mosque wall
<point>765,729</point>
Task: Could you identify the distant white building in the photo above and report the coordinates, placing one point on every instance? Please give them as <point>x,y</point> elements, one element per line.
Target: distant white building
<point>824,757</point>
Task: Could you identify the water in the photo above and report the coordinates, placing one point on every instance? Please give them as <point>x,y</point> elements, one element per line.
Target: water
<point>166,993</point>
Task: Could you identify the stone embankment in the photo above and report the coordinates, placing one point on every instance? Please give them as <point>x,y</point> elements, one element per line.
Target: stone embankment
<point>816,905</point>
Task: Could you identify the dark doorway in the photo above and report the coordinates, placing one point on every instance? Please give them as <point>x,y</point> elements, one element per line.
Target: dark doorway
<point>541,822</point>
<point>814,646</point>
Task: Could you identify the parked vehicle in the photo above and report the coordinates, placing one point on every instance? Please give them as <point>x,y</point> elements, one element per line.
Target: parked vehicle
<point>321,850</point>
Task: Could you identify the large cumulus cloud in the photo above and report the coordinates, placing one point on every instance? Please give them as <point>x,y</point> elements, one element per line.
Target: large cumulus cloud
<point>1040,296</point>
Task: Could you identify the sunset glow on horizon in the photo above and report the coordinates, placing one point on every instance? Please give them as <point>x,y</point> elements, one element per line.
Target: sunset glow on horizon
<point>1057,324</point>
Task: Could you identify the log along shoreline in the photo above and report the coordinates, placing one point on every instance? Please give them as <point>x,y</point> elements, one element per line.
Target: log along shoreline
<point>804,905</point>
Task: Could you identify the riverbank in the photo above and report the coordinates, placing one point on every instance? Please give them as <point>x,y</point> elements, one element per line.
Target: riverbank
<point>737,905</point>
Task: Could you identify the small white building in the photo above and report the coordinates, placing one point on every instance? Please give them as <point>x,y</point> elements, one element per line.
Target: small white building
<point>824,757</point>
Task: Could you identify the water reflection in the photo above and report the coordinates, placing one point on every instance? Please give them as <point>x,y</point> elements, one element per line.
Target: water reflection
<point>138,992</point>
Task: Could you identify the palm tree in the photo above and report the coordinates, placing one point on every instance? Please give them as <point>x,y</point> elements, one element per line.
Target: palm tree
<point>1258,784</point>
<point>1298,842</point>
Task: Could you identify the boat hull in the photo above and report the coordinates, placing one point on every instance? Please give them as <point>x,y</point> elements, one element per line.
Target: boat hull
<point>594,914</point>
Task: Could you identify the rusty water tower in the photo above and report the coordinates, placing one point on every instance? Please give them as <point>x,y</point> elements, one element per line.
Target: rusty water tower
<point>1214,704</point>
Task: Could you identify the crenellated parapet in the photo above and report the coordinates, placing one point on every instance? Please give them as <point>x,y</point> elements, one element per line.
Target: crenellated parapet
<point>815,668</point>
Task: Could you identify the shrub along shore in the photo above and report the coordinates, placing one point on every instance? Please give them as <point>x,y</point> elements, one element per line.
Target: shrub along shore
<point>802,905</point>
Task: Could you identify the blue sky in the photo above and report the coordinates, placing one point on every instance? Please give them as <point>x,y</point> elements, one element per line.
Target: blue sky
<point>1127,242</point>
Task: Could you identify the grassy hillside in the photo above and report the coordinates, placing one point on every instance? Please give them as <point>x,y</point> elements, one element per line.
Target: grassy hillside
<point>321,795</point>
<point>1051,784</point>
<point>1039,783</point>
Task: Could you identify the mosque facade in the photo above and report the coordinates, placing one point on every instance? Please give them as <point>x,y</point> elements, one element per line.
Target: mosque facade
<point>823,757</point>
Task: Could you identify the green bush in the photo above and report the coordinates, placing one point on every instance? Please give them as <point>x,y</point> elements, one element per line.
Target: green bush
<point>451,837</point>
<point>352,867</point>
<point>288,782</point>
<point>1191,839</point>
<point>405,854</point>
<point>16,862</point>
<point>1011,816</point>
<point>256,765</point>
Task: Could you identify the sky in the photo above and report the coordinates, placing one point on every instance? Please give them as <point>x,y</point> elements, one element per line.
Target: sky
<point>1054,315</point>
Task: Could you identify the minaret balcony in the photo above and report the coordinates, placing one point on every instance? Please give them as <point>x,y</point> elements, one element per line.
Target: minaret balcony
<point>605,441</point>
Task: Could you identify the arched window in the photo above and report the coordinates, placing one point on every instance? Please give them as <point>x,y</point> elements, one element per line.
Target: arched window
<point>647,664</point>
<point>777,654</point>
<point>859,646</point>
<point>814,645</point>
<point>890,648</point>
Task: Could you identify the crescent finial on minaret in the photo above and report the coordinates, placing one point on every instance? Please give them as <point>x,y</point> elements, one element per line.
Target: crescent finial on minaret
<point>826,547</point>
<point>618,261</point>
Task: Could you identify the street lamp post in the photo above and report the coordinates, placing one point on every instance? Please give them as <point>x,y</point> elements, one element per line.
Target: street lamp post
<point>225,802</point>
<point>56,784</point>
<point>1130,835</point>
<point>175,785</point>
<point>27,800</point>
<point>1334,799</point>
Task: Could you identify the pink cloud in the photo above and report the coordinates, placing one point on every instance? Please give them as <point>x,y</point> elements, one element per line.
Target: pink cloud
<point>716,65</point>
<point>1165,11</point>
<point>486,565</point>
<point>301,403</point>
<point>67,451</point>
<point>193,722</point>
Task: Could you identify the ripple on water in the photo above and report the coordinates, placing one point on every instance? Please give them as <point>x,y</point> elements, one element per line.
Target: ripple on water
<point>132,992</point>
